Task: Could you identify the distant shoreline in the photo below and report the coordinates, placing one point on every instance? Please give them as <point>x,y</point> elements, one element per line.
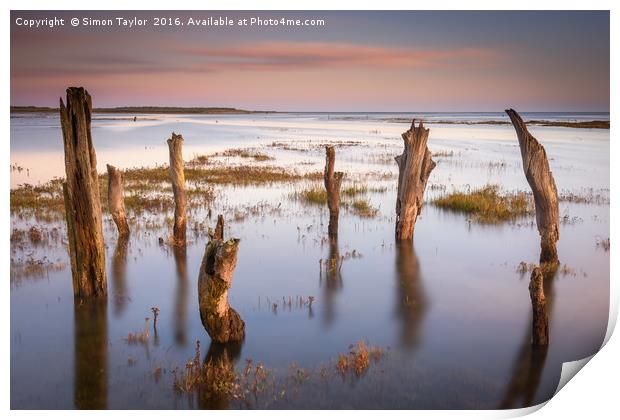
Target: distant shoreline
<point>154,110</point>
<point>602,124</point>
<point>145,110</point>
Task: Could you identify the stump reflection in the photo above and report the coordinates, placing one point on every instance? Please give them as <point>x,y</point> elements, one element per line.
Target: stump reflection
<point>90,384</point>
<point>411,302</point>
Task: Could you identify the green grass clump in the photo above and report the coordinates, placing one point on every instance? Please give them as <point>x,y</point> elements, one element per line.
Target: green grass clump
<point>316,195</point>
<point>245,153</point>
<point>362,208</point>
<point>354,190</point>
<point>486,204</point>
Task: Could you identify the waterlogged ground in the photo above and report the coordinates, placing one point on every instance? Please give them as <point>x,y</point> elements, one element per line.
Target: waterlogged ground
<point>451,313</point>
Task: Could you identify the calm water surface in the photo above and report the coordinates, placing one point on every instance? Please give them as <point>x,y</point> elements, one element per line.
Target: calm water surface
<point>451,309</point>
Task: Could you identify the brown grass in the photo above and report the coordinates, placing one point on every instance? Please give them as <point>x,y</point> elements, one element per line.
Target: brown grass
<point>486,204</point>
<point>359,358</point>
<point>362,208</point>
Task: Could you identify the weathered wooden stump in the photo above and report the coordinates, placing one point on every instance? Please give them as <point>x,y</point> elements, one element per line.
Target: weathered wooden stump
<point>414,168</point>
<point>540,178</point>
<point>540,319</point>
<point>332,185</point>
<point>177,177</point>
<point>218,233</point>
<point>221,321</point>
<point>116,200</point>
<point>81,197</point>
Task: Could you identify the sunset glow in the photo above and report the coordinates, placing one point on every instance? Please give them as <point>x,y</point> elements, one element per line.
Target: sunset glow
<point>359,61</point>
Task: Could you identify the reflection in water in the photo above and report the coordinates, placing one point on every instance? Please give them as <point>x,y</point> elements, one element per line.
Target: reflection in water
<point>530,362</point>
<point>411,302</point>
<point>119,268</point>
<point>225,354</point>
<point>330,272</point>
<point>90,384</point>
<point>180,304</point>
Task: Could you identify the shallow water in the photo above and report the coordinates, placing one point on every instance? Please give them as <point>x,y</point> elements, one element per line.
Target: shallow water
<point>452,309</point>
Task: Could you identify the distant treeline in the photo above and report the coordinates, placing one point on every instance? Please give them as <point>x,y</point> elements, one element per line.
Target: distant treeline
<point>146,110</point>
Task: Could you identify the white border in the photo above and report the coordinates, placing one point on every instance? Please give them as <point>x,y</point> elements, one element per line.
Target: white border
<point>593,394</point>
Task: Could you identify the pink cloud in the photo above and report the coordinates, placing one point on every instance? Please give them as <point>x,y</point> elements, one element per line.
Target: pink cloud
<point>268,56</point>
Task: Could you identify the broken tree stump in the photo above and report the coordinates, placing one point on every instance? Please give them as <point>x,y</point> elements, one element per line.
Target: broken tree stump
<point>116,200</point>
<point>540,319</point>
<point>332,185</point>
<point>540,178</point>
<point>81,197</point>
<point>221,321</point>
<point>414,168</point>
<point>177,177</point>
<point>218,233</point>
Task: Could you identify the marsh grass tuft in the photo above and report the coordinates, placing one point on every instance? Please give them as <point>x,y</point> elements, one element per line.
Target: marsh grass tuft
<point>359,358</point>
<point>217,378</point>
<point>316,195</point>
<point>212,379</point>
<point>355,190</point>
<point>362,208</point>
<point>603,244</point>
<point>486,204</point>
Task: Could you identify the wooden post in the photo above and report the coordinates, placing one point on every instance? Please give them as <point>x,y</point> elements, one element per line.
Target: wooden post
<point>414,168</point>
<point>116,200</point>
<point>332,185</point>
<point>540,178</point>
<point>177,177</point>
<point>81,197</point>
<point>540,319</point>
<point>218,233</point>
<point>221,321</point>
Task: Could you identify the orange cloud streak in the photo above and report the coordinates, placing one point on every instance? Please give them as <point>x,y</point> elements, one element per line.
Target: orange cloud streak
<point>269,56</point>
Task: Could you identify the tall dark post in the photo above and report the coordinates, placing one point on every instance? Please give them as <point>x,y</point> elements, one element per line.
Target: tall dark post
<point>177,178</point>
<point>540,178</point>
<point>332,185</point>
<point>81,197</point>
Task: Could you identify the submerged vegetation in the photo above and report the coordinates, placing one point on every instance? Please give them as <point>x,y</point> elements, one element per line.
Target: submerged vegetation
<point>603,244</point>
<point>358,206</point>
<point>358,359</point>
<point>217,379</point>
<point>148,189</point>
<point>362,208</point>
<point>317,195</point>
<point>487,204</point>
<point>245,153</point>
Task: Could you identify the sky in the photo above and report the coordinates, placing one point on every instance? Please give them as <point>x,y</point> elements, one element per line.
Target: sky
<point>357,61</point>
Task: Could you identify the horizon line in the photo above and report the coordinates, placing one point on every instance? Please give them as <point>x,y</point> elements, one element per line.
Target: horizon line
<point>243,110</point>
